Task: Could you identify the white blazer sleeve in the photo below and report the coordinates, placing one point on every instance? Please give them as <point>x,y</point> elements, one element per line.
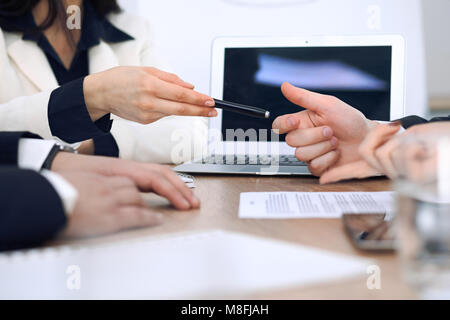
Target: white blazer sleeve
<point>17,115</point>
<point>170,140</point>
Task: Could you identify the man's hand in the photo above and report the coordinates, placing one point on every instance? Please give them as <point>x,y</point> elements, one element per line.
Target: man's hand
<point>328,133</point>
<point>147,177</point>
<point>105,205</point>
<point>384,151</point>
<point>370,149</point>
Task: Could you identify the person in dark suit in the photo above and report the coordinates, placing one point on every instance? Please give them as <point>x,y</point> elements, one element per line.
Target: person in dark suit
<point>339,142</point>
<point>47,193</point>
<point>32,211</point>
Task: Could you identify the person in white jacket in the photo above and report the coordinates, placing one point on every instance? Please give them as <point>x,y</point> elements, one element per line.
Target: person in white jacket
<point>68,67</point>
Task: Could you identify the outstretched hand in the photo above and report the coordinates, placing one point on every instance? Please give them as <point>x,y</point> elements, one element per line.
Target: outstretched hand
<point>327,134</point>
<point>385,152</point>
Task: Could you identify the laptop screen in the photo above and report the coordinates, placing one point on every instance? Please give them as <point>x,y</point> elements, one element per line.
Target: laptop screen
<point>360,76</point>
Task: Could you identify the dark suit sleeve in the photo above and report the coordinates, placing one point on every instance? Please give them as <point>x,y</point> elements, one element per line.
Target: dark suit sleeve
<point>31,211</point>
<point>9,145</point>
<point>415,120</point>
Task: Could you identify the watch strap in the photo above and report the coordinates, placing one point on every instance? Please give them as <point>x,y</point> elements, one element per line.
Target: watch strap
<point>51,156</point>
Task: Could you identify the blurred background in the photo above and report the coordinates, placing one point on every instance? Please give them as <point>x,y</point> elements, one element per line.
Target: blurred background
<point>184,30</point>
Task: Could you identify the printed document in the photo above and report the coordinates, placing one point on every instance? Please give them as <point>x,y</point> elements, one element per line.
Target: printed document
<point>285,205</point>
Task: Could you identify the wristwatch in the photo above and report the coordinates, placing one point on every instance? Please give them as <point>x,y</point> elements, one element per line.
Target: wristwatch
<point>53,152</point>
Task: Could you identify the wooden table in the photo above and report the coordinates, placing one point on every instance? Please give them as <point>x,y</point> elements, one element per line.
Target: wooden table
<point>219,210</point>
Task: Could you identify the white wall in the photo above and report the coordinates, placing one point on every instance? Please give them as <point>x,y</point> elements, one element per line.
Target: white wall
<point>436,15</point>
<point>185,29</point>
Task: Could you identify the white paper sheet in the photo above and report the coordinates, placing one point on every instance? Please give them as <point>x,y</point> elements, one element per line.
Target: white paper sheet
<point>285,205</point>
<point>210,264</point>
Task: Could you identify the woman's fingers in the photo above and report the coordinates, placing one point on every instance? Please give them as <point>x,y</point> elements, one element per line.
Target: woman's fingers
<point>376,138</point>
<point>314,151</point>
<point>183,109</point>
<point>321,164</point>
<point>310,136</point>
<point>168,77</point>
<point>355,170</point>
<point>169,91</point>
<point>144,95</point>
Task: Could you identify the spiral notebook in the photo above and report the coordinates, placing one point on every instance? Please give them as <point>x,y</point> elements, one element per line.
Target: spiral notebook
<point>210,264</point>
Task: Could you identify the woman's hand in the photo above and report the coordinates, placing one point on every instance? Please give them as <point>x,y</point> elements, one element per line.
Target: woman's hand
<point>144,95</point>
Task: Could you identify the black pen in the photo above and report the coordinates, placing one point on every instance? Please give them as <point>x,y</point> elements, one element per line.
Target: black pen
<point>242,109</point>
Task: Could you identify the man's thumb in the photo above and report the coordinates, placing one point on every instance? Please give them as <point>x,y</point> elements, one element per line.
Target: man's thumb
<point>355,170</point>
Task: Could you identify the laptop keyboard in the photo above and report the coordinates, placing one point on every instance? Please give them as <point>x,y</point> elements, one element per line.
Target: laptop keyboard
<point>283,160</point>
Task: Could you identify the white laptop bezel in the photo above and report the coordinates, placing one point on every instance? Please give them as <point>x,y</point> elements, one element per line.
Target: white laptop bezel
<point>217,73</point>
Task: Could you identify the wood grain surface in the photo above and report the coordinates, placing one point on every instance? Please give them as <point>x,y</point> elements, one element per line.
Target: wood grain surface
<point>219,210</point>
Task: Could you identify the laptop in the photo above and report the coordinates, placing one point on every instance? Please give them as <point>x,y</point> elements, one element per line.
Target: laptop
<point>367,72</point>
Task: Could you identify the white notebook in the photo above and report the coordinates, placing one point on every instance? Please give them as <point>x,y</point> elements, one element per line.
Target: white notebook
<point>211,264</point>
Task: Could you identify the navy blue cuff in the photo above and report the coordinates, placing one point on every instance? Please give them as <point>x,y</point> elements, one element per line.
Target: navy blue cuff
<point>9,146</point>
<point>68,116</point>
<point>106,146</point>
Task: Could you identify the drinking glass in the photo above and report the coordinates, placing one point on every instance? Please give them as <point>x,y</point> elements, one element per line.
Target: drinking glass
<point>423,213</point>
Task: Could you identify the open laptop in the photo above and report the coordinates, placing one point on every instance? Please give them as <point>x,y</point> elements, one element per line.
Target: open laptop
<point>367,72</point>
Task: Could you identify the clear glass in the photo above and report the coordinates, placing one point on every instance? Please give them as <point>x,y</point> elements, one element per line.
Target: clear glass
<point>423,213</point>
